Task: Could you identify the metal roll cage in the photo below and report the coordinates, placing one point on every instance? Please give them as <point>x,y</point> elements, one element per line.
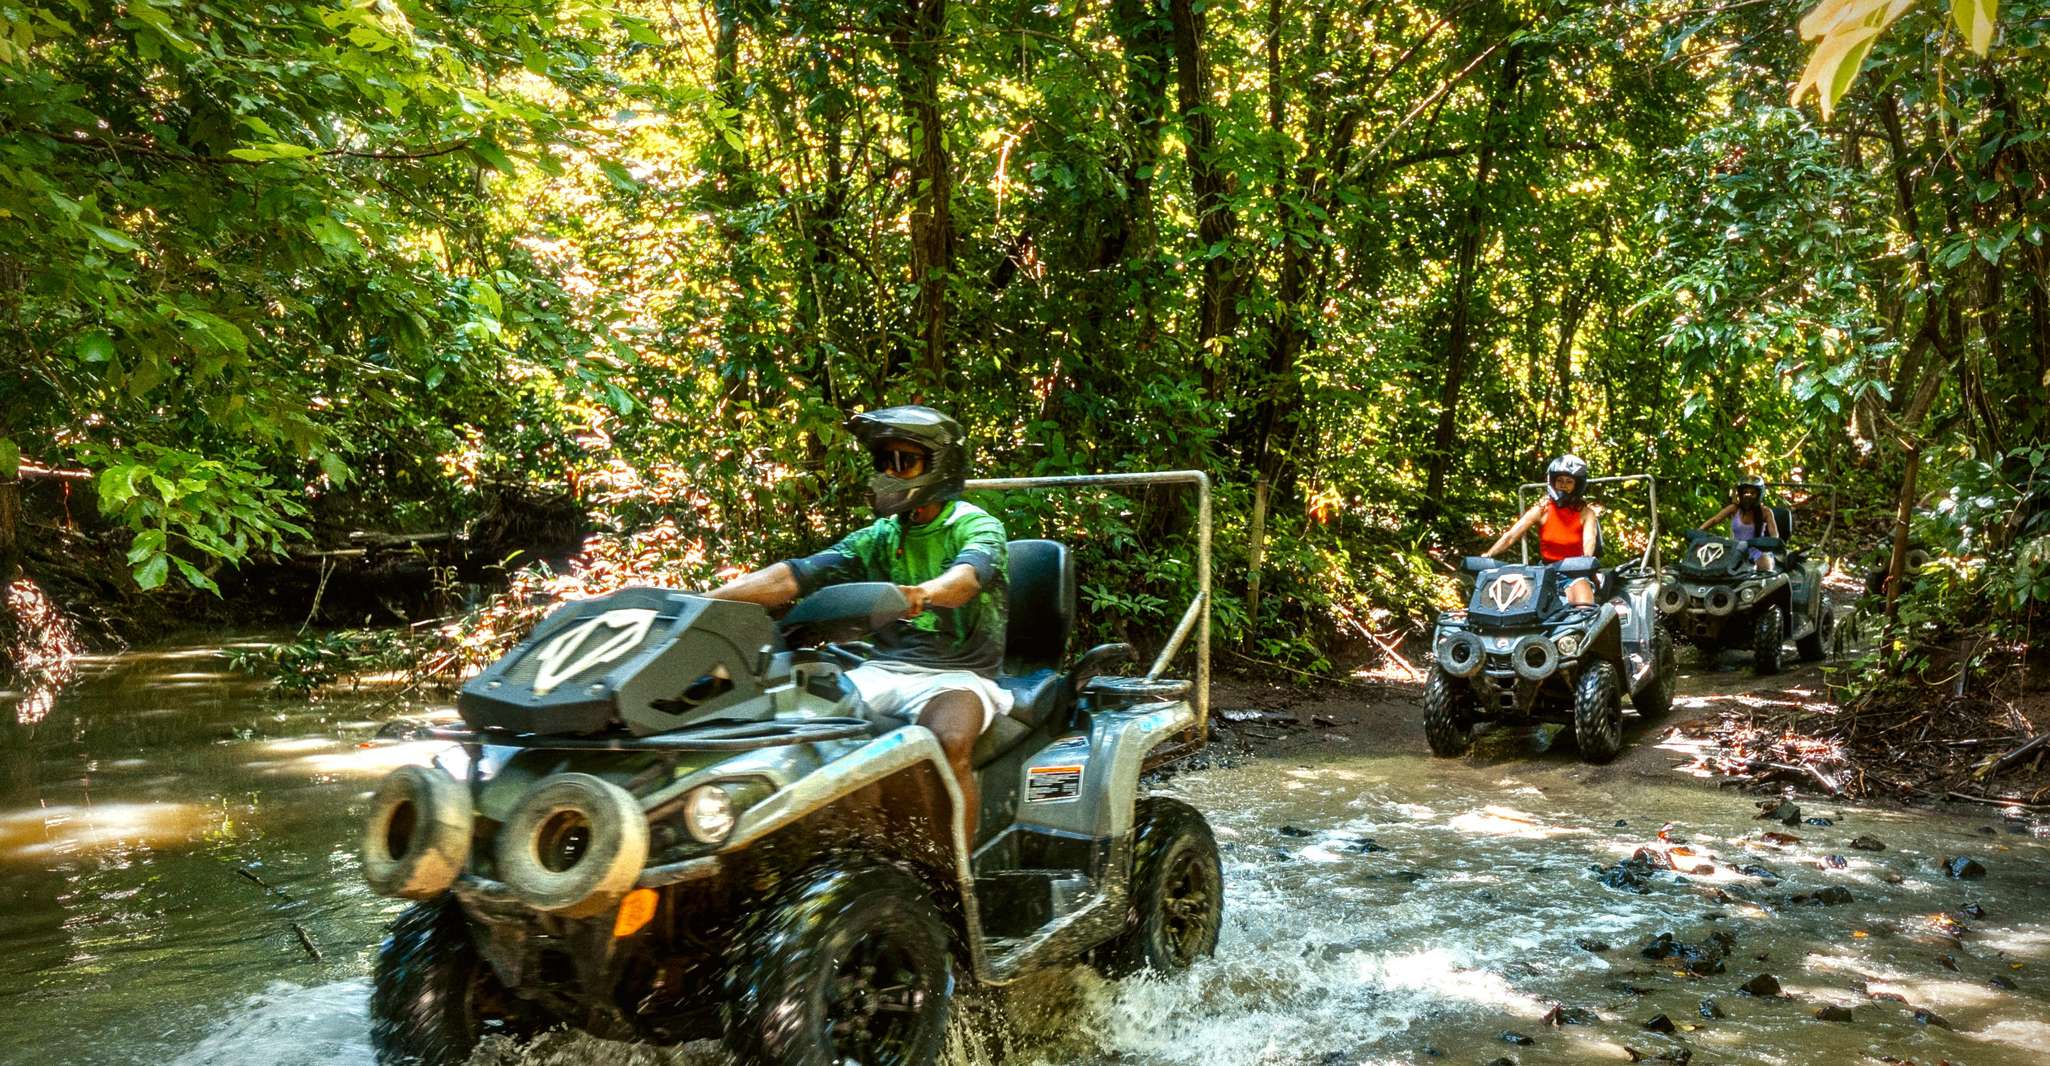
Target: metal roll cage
<point>1197,616</point>
<point>1649,560</point>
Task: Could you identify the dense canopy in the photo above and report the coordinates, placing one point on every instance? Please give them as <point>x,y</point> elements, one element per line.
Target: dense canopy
<point>268,271</point>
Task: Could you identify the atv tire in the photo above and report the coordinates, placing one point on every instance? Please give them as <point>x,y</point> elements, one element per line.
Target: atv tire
<point>1815,646</point>
<point>1656,697</point>
<point>1598,712</point>
<point>1177,893</point>
<point>1768,634</point>
<point>1448,715</point>
<point>433,997</point>
<point>851,965</point>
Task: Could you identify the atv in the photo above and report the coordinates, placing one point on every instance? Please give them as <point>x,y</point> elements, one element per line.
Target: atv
<point>668,817</point>
<point>1721,599</point>
<point>1520,653</point>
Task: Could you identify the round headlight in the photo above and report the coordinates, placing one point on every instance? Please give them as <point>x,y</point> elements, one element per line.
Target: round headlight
<point>708,814</point>
<point>1746,596</point>
<point>1569,644</point>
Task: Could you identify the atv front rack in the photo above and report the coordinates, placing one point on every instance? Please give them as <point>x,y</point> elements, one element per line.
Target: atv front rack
<point>735,736</point>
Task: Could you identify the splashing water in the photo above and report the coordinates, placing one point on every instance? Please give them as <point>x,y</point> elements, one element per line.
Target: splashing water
<point>1379,908</point>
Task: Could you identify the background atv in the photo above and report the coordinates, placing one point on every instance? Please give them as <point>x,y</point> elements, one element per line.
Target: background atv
<point>666,820</point>
<point>1719,599</point>
<point>1519,652</point>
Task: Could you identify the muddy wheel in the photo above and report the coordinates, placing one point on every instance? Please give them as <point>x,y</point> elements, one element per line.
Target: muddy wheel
<point>851,965</point>
<point>1768,632</point>
<point>1815,646</point>
<point>1598,712</point>
<point>1656,698</point>
<point>432,997</point>
<point>1177,898</point>
<point>1448,715</point>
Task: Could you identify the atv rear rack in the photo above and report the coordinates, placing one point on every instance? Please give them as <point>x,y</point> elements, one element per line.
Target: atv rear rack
<point>740,736</point>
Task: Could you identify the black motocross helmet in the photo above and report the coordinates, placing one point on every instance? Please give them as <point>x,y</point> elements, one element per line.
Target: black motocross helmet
<point>1754,485</point>
<point>1574,467</point>
<point>946,449</point>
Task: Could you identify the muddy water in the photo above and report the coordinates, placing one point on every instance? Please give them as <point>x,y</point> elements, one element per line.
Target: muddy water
<point>133,934</point>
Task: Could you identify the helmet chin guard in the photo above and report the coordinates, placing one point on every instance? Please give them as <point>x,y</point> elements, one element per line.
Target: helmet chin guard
<point>942,439</point>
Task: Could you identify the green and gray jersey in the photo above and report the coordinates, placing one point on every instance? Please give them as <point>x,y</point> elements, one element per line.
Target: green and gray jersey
<point>968,637</point>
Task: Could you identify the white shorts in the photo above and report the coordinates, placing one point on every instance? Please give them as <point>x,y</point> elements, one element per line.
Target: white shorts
<point>900,691</point>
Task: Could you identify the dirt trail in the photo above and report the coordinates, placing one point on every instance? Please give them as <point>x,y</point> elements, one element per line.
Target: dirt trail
<point>1268,720</point>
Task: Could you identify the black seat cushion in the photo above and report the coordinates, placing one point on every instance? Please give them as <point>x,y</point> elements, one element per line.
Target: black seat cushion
<point>1037,695</point>
<point>1041,588</point>
<point>1042,606</point>
<point>1036,698</point>
<point>1784,518</point>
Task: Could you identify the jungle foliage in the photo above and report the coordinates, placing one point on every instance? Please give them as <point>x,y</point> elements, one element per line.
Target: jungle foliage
<point>268,268</point>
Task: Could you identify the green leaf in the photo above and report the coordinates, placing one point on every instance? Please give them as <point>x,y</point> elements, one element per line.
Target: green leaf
<point>486,298</point>
<point>336,470</point>
<point>639,31</point>
<point>491,155</point>
<point>149,372</point>
<point>113,238</point>
<point>148,542</point>
<point>95,347</point>
<point>621,178</point>
<point>261,153</point>
<point>1975,20</point>
<point>152,573</point>
<point>1854,61</point>
<point>195,577</point>
<point>10,458</point>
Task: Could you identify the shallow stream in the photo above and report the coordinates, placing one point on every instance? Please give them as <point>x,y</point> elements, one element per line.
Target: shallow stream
<point>177,855</point>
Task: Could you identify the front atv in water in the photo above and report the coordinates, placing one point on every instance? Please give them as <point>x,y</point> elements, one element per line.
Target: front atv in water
<point>1721,599</point>
<point>668,818</point>
<point>1520,653</point>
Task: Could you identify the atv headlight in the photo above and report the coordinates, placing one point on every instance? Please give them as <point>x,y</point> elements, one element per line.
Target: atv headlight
<point>1569,644</point>
<point>1747,596</point>
<point>708,814</point>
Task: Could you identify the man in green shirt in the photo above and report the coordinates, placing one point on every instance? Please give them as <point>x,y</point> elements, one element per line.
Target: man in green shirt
<point>936,665</point>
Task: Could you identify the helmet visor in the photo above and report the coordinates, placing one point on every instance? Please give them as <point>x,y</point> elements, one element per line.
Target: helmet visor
<point>899,459</point>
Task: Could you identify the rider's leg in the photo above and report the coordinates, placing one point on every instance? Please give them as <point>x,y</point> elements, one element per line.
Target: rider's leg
<point>1580,592</point>
<point>1764,562</point>
<point>956,718</point>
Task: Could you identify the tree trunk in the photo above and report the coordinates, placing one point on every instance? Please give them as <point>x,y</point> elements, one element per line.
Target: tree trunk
<point>1216,316</point>
<point>10,537</point>
<point>918,36</point>
<point>1904,509</point>
<point>1473,231</point>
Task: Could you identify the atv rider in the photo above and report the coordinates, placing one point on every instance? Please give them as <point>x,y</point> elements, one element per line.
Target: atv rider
<point>1570,523</point>
<point>934,665</point>
<point>1749,518</point>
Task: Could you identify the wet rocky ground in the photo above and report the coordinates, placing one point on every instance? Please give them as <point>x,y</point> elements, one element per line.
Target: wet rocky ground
<point>179,853</point>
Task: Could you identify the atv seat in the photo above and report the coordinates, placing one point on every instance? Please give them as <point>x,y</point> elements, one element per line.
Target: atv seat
<point>1590,569</point>
<point>1042,615</point>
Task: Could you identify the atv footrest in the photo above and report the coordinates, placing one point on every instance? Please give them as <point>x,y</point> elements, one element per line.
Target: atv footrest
<point>1016,903</point>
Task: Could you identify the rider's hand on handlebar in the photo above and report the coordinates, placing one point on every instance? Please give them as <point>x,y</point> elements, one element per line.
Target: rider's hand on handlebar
<point>915,596</point>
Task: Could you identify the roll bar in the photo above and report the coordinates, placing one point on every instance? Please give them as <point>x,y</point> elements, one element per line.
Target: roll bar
<point>1651,539</point>
<point>1197,616</point>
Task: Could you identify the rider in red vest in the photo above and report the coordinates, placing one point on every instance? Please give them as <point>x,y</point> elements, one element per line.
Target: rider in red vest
<point>1570,526</point>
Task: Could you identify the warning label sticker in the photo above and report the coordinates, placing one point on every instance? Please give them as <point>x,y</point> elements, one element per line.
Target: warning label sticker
<point>1052,784</point>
